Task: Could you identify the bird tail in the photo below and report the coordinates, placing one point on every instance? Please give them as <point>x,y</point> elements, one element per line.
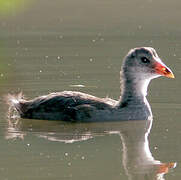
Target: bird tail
<point>15,103</point>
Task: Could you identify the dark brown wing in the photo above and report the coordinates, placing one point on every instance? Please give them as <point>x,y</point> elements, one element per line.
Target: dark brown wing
<point>64,104</point>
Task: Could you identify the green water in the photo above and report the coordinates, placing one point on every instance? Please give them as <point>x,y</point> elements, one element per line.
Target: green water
<point>48,46</point>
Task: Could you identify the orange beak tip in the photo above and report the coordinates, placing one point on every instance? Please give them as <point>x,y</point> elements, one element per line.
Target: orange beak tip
<point>164,168</point>
<point>170,75</point>
<point>163,70</point>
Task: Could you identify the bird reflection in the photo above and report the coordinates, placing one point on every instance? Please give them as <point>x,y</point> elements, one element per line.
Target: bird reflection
<point>137,160</point>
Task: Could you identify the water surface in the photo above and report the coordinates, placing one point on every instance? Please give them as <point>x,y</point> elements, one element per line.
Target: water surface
<point>52,46</point>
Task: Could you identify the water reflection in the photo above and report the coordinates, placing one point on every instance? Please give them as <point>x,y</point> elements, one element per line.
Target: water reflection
<point>137,160</point>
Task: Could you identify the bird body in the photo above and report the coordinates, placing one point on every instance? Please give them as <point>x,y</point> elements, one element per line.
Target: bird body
<point>140,66</point>
<point>77,106</point>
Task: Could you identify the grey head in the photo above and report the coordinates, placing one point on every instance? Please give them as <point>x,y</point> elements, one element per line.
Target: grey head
<point>140,66</point>
<point>144,63</point>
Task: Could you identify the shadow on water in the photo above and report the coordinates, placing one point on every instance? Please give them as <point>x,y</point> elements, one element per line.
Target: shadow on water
<point>137,160</point>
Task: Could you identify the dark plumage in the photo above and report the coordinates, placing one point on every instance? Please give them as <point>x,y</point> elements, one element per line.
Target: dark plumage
<point>139,67</point>
<point>68,105</point>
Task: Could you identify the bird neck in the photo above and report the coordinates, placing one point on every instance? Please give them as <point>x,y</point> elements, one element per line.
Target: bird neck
<point>133,91</point>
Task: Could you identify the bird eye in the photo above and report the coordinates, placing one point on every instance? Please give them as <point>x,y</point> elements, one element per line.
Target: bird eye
<point>145,60</point>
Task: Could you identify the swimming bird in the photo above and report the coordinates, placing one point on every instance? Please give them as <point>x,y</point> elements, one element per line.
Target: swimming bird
<point>139,67</point>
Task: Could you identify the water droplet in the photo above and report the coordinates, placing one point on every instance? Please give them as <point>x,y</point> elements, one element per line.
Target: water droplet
<point>82,157</point>
<point>2,169</point>
<point>18,42</point>
<point>139,27</point>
